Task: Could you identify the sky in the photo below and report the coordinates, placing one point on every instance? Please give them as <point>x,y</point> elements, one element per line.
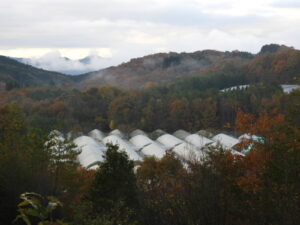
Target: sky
<point>118,30</point>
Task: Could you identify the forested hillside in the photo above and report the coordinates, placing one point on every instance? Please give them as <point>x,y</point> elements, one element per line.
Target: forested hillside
<point>189,103</point>
<point>14,74</point>
<point>274,63</point>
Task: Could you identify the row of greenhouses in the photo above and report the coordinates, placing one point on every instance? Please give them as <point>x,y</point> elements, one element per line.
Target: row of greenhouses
<point>139,144</point>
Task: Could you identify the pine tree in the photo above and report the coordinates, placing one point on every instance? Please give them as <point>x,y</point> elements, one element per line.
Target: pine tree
<point>114,191</point>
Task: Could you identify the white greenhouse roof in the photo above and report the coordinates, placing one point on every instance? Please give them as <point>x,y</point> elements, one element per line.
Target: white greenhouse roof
<point>141,140</point>
<point>181,134</point>
<point>225,140</point>
<point>239,87</point>
<point>117,132</point>
<point>198,140</point>
<point>169,140</point>
<point>92,151</point>
<point>185,145</point>
<point>161,145</point>
<point>188,152</point>
<point>288,88</point>
<point>154,149</point>
<point>97,135</point>
<point>123,146</point>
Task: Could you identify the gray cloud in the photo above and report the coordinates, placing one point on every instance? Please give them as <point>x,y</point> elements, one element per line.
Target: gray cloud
<point>287,4</point>
<point>132,28</point>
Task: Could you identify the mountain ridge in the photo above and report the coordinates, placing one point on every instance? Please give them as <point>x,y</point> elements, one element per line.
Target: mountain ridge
<point>277,61</point>
<point>162,67</point>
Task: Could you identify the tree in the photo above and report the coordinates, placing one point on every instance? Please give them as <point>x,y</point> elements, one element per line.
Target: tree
<point>22,159</point>
<point>161,185</point>
<point>271,170</point>
<point>62,155</point>
<point>114,192</point>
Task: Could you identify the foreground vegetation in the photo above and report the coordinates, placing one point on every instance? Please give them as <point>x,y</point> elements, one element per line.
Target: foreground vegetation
<point>261,188</point>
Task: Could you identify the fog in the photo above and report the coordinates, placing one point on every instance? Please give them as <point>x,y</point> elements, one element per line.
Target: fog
<point>54,61</point>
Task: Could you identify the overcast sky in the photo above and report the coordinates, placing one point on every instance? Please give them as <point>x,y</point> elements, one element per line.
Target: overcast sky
<point>123,29</point>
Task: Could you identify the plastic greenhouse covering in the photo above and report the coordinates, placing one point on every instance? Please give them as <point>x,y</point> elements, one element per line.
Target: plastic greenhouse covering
<point>181,134</point>
<point>97,135</point>
<point>91,151</point>
<point>169,140</point>
<point>198,141</point>
<point>225,141</point>
<point>123,146</point>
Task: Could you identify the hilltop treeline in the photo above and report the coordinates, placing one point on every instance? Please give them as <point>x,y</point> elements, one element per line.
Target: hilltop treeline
<point>274,63</point>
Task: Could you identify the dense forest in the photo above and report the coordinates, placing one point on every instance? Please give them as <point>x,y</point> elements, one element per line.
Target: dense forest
<point>189,103</point>
<point>42,182</point>
<point>260,188</point>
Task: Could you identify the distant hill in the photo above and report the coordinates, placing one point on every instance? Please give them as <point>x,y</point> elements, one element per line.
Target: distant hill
<point>274,62</point>
<point>14,72</point>
<point>161,68</point>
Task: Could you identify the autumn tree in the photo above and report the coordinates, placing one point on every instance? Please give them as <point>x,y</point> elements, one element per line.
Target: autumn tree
<point>161,184</point>
<point>271,168</point>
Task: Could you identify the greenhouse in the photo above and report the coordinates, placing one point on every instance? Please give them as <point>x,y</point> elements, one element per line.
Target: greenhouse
<point>97,135</point>
<point>181,134</point>
<point>117,133</point>
<point>92,152</point>
<point>123,146</point>
<point>169,140</point>
<point>188,152</point>
<point>225,141</point>
<point>185,145</point>
<point>154,149</point>
<point>198,140</point>
<point>140,141</point>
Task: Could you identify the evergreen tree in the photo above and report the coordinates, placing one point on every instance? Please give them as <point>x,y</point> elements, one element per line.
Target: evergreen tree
<point>113,193</point>
<point>62,160</point>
